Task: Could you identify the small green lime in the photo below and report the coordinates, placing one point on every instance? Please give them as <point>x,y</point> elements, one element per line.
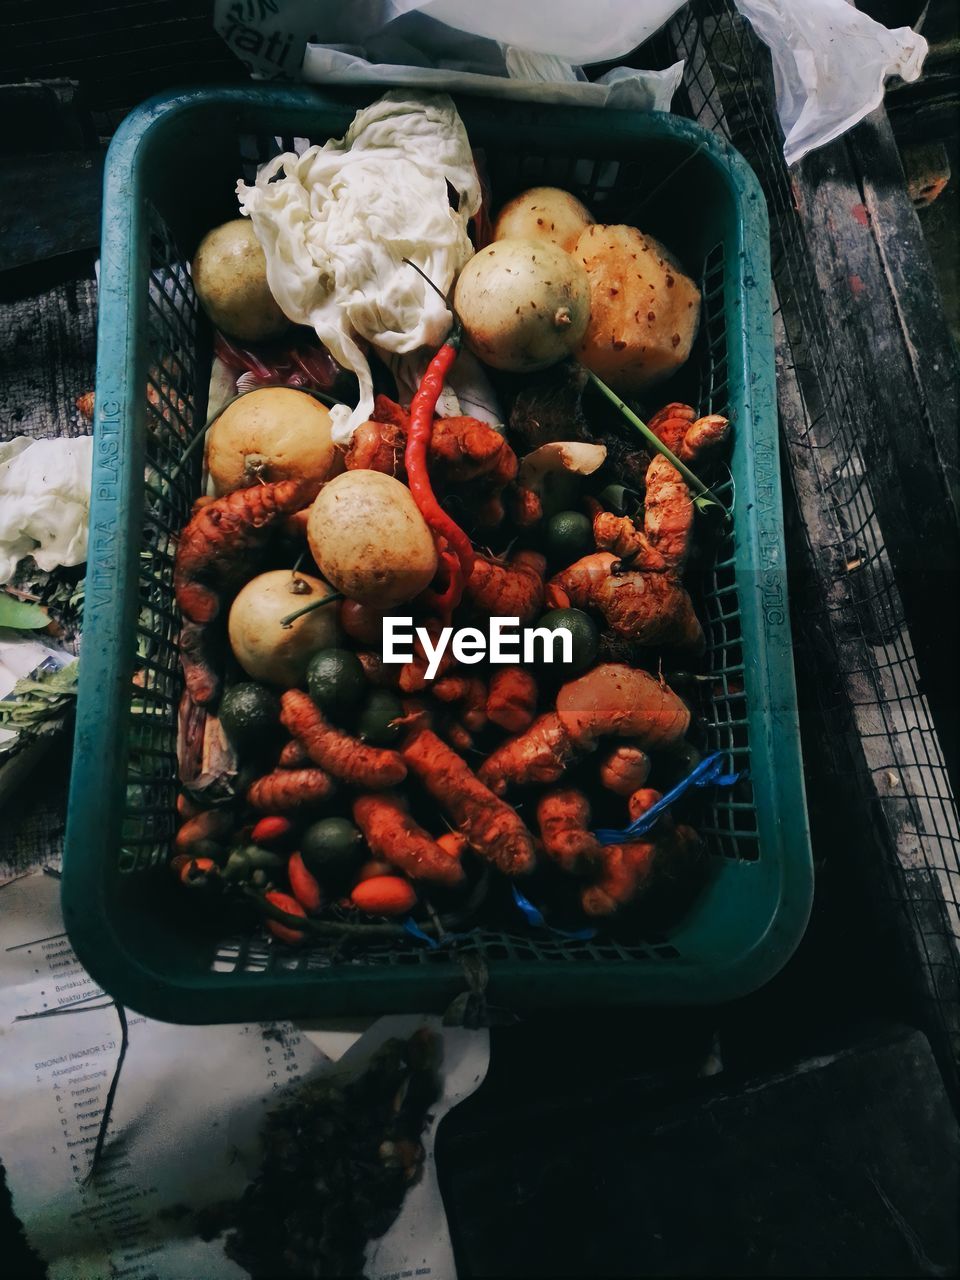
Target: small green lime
<point>568,536</point>
<point>330,847</point>
<point>584,635</point>
<point>376,722</point>
<point>243,862</point>
<point>249,713</point>
<point>336,681</point>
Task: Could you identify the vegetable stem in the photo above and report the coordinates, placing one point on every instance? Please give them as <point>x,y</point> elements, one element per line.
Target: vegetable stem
<point>347,930</point>
<point>196,441</point>
<point>705,497</point>
<point>291,618</point>
<point>420,272</point>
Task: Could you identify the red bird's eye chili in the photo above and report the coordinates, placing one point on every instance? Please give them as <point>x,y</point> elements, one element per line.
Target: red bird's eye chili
<point>455,549</point>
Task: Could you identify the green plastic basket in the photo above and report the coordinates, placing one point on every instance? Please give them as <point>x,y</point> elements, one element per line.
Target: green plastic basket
<point>170,175</point>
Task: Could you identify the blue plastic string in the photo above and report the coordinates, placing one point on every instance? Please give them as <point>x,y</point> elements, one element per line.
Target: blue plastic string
<point>415,931</point>
<point>708,773</point>
<point>534,917</point>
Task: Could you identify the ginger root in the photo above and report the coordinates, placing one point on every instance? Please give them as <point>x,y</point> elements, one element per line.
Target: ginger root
<point>217,544</point>
<point>214,555</point>
<point>459,738</point>
<point>337,752</point>
<point>512,699</point>
<point>209,824</point>
<point>610,700</point>
<point>627,869</point>
<point>651,608</point>
<point>453,844</point>
<point>285,790</point>
<point>293,756</point>
<point>378,445</point>
<point>393,835</point>
<point>538,755</point>
<point>563,818</point>
<point>513,590</point>
<point>525,506</point>
<point>466,449</point>
<point>632,869</point>
<point>461,449</point>
<point>493,829</point>
<point>471,692</point>
<point>625,769</point>
<point>684,434</point>
<point>633,579</point>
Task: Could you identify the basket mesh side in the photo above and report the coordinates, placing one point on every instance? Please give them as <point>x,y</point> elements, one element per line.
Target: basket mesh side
<point>255,955</point>
<point>171,483</point>
<point>729,827</point>
<point>854,654</point>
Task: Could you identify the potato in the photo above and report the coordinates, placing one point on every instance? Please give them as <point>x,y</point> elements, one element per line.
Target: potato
<point>266,650</point>
<point>644,312</point>
<point>275,433</point>
<point>369,539</point>
<point>543,213</point>
<point>524,304</point>
<point>230,277</point>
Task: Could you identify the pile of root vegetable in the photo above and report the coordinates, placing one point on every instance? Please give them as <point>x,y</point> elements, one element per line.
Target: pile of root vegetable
<point>344,796</point>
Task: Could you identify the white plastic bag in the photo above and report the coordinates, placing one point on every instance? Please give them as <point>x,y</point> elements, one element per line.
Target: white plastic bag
<point>449,45</point>
<point>569,29</point>
<point>542,79</point>
<point>830,61</point>
<point>829,65</point>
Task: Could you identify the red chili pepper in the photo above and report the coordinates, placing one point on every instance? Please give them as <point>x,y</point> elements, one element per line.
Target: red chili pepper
<point>270,831</point>
<point>452,579</point>
<point>384,896</point>
<point>293,908</point>
<point>458,550</point>
<point>303,884</point>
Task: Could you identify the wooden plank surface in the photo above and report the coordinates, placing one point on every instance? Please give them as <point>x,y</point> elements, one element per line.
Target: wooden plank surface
<point>841,1164</point>
<point>914,292</point>
<point>896,474</point>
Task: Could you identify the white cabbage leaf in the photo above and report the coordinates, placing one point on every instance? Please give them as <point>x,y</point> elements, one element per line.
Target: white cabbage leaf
<point>337,221</point>
<point>44,502</point>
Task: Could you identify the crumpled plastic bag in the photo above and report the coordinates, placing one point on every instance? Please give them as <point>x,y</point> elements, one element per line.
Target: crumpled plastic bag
<point>829,65</point>
<point>528,78</point>
<point>830,61</point>
<point>569,29</point>
<point>44,502</point>
<point>449,46</point>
